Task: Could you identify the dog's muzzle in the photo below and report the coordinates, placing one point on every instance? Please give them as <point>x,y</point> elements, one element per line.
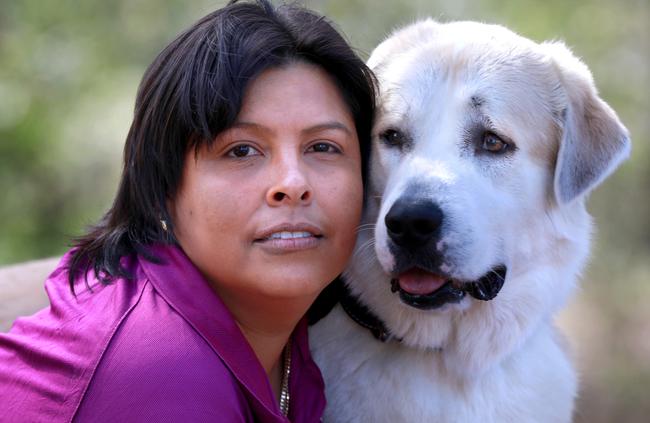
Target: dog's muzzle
<point>414,225</point>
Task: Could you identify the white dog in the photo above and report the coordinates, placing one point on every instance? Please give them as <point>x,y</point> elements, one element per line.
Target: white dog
<point>475,229</point>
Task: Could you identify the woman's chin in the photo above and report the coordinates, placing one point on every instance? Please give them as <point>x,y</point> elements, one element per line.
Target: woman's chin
<point>293,290</point>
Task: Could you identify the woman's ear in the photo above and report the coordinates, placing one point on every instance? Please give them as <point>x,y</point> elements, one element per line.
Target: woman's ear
<point>594,141</point>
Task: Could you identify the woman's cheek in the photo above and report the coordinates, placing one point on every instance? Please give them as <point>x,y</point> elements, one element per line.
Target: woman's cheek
<point>349,206</point>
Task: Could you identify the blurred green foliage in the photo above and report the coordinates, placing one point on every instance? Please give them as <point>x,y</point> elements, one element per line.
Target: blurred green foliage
<point>68,76</point>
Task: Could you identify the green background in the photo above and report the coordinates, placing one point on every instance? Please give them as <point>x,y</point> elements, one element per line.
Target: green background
<point>68,76</point>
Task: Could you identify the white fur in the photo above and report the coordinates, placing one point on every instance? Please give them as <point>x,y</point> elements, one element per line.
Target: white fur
<point>475,361</point>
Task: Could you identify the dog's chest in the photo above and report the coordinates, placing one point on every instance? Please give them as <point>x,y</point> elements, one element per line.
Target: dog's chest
<point>367,380</point>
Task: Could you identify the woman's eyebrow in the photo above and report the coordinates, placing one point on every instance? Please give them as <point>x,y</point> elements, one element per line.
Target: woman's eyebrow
<point>250,125</point>
<point>327,126</point>
<point>335,125</point>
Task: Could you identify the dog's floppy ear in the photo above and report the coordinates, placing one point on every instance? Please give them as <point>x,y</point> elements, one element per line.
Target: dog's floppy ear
<point>594,142</point>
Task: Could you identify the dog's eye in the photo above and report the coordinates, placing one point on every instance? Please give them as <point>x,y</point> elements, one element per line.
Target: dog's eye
<point>392,138</point>
<point>493,143</point>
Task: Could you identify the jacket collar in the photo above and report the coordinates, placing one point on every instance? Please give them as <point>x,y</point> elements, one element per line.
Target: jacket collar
<point>181,284</point>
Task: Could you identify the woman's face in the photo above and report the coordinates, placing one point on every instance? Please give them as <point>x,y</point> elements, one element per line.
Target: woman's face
<point>272,207</point>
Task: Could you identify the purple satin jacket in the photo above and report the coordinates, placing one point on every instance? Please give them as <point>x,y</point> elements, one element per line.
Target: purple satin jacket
<point>159,348</point>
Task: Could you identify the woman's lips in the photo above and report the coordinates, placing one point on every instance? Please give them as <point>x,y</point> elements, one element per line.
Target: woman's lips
<point>289,238</point>
<point>290,235</point>
<point>289,245</point>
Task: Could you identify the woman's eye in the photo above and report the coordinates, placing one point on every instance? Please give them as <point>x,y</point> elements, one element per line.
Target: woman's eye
<point>323,147</point>
<point>242,150</point>
<point>493,144</point>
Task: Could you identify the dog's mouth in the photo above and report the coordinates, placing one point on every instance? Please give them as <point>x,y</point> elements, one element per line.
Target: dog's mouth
<point>427,291</point>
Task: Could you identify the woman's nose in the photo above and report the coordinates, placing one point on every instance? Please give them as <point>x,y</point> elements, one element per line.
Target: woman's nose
<point>289,184</point>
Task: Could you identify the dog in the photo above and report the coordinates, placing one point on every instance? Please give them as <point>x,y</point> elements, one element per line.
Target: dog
<point>485,147</point>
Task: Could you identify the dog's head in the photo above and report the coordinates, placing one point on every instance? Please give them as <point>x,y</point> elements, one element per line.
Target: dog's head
<point>485,146</point>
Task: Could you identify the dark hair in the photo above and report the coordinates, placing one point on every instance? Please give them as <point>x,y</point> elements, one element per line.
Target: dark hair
<point>191,92</point>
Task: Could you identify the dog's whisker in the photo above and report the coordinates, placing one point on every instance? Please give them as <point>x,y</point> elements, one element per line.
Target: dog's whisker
<point>366,227</point>
<point>364,255</point>
<point>365,247</point>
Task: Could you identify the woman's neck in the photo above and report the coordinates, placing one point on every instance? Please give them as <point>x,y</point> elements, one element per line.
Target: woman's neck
<point>268,348</point>
<point>267,343</point>
<point>267,330</point>
<point>267,325</point>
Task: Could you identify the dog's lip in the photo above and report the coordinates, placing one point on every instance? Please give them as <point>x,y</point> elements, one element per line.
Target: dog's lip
<point>488,286</point>
<point>446,294</point>
<point>428,290</point>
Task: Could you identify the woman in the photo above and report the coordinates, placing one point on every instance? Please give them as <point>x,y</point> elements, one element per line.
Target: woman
<point>238,203</point>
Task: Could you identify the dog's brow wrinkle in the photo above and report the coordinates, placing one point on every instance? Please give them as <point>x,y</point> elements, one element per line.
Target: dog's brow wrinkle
<point>487,122</point>
<point>395,95</point>
<point>477,101</point>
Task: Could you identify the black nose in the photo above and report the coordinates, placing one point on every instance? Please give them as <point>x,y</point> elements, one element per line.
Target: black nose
<point>413,223</point>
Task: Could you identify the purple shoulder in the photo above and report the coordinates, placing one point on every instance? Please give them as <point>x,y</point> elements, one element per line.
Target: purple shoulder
<point>47,359</point>
<point>158,368</point>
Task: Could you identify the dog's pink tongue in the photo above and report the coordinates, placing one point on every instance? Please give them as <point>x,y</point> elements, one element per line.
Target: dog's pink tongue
<point>419,282</point>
